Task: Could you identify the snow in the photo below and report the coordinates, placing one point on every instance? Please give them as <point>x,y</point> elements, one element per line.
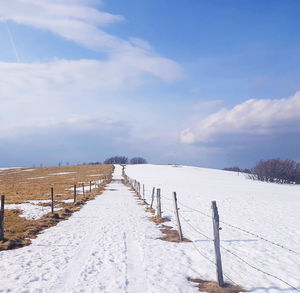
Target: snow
<point>30,211</point>
<point>107,246</point>
<point>62,173</point>
<point>111,246</point>
<point>41,177</point>
<point>270,210</point>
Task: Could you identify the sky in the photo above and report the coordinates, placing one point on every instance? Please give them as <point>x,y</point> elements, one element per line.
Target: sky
<point>207,83</point>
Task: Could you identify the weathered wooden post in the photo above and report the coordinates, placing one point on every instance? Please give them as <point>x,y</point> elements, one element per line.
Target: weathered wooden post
<point>52,200</point>
<point>83,188</point>
<point>152,198</point>
<point>177,217</point>
<point>75,193</point>
<point>90,186</point>
<point>2,218</point>
<point>144,192</point>
<point>158,203</point>
<point>216,227</point>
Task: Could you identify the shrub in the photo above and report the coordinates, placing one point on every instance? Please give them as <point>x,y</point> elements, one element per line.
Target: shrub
<point>276,170</point>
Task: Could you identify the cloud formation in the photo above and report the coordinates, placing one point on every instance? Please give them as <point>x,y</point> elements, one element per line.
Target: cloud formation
<point>47,94</point>
<point>253,117</point>
<point>82,24</point>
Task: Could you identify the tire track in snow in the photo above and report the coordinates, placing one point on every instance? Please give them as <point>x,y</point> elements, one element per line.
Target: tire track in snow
<point>136,280</point>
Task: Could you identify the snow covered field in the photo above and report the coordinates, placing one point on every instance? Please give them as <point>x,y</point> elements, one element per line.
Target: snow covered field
<point>110,245</point>
<point>269,210</point>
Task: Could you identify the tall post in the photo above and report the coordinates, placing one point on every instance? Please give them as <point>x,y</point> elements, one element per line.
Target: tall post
<point>52,200</point>
<point>2,218</point>
<point>83,188</point>
<point>90,186</point>
<point>158,203</point>
<point>152,198</point>
<point>216,227</point>
<point>139,189</point>
<point>75,193</point>
<point>177,216</point>
<point>143,192</point>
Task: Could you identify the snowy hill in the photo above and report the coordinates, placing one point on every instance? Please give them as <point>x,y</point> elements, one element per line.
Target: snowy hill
<point>111,246</point>
<point>270,211</point>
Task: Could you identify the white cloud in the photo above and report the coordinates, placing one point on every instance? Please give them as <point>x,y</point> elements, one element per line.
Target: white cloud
<point>82,24</point>
<point>253,117</point>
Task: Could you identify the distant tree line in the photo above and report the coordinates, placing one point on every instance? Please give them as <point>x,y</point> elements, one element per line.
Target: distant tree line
<point>124,160</point>
<point>237,169</point>
<point>273,170</point>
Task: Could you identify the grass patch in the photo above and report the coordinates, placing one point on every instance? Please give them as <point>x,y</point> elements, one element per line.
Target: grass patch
<point>171,235</point>
<point>213,287</point>
<point>18,187</point>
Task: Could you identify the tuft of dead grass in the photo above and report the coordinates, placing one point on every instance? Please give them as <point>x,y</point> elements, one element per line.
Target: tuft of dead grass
<point>171,235</point>
<point>157,220</point>
<point>213,287</point>
<point>149,210</point>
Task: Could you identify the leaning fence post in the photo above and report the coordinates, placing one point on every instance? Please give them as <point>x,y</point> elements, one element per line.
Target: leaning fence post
<point>90,186</point>
<point>215,216</point>
<point>74,193</point>
<point>158,203</point>
<point>52,200</point>
<point>177,216</point>
<point>83,188</point>
<point>2,218</point>
<point>152,198</point>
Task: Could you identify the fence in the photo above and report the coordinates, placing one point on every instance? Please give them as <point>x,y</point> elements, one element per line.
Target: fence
<point>218,248</point>
<point>76,190</point>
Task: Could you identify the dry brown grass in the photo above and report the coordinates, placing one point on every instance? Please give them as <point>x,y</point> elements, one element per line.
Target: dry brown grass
<point>17,187</point>
<point>157,220</point>
<point>171,235</point>
<point>149,210</point>
<point>213,287</point>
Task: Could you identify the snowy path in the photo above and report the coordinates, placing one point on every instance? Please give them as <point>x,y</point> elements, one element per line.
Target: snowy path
<point>108,246</point>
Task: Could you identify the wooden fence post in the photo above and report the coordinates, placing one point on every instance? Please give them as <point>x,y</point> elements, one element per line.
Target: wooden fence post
<point>215,216</point>
<point>152,198</point>
<point>2,218</point>
<point>83,188</point>
<point>75,193</point>
<point>143,192</point>
<point>90,186</point>
<point>158,203</point>
<point>177,217</point>
<point>52,200</point>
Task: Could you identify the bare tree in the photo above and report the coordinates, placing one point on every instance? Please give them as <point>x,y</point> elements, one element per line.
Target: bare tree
<point>116,160</point>
<point>138,160</point>
<point>276,170</point>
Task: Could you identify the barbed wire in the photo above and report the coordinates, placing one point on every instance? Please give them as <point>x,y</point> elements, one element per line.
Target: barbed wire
<point>258,269</point>
<point>229,251</point>
<point>243,230</point>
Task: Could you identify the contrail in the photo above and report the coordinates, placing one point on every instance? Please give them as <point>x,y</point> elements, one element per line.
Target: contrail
<point>12,42</point>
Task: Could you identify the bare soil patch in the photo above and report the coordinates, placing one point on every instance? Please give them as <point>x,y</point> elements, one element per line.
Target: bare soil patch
<point>213,287</point>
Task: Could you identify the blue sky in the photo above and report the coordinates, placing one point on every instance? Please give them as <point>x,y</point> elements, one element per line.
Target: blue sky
<point>208,83</point>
